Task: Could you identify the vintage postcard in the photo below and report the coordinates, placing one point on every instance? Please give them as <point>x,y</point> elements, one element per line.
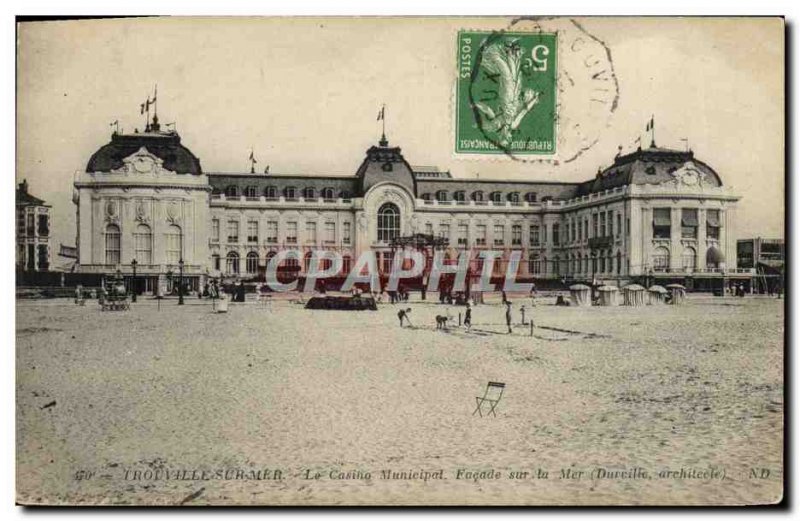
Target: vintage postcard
<point>400,261</point>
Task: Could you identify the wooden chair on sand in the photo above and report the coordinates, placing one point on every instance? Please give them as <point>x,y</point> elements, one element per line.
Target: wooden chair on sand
<point>492,394</point>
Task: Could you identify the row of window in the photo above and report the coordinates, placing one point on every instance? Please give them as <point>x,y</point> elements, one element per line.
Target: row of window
<point>536,234</point>
<point>271,232</point>
<point>30,224</point>
<point>232,262</point>
<point>479,196</point>
<point>143,244</point>
<point>289,192</point>
<point>662,223</point>
<point>603,224</point>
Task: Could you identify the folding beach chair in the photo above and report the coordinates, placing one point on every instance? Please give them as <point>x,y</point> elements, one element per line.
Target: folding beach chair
<point>492,394</point>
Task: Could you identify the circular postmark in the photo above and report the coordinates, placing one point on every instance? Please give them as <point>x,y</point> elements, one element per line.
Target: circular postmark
<point>541,90</point>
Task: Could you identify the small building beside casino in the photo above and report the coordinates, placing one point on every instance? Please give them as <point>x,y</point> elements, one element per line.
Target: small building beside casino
<point>32,232</point>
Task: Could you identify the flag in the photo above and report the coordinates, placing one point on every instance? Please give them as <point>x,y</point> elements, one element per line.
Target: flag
<point>141,108</point>
<point>381,114</point>
<point>113,123</point>
<point>252,157</point>
<point>650,124</point>
<point>638,140</point>
<point>155,94</point>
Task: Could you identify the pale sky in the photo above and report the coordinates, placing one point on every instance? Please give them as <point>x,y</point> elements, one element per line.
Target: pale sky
<point>304,93</point>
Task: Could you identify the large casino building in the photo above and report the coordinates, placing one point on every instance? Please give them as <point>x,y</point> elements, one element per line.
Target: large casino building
<point>654,216</point>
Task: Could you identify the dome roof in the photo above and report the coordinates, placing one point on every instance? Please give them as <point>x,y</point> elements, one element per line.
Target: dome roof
<point>164,145</point>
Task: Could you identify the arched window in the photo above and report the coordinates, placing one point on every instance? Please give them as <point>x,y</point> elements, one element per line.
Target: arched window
<point>441,195</point>
<point>252,263</point>
<point>689,259</point>
<point>215,261</point>
<point>113,252</point>
<point>290,192</point>
<point>388,222</point>
<point>173,239</point>
<point>477,196</point>
<point>530,197</point>
<point>661,259</point>
<point>143,244</point>
<point>307,261</point>
<point>459,196</point>
<point>496,197</point>
<point>232,263</point>
<point>308,193</point>
<point>271,192</point>
<point>426,197</point>
<point>328,194</point>
<point>251,191</point>
<point>513,197</point>
<point>231,191</point>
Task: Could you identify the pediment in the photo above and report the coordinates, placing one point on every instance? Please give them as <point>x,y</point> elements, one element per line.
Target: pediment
<point>142,162</point>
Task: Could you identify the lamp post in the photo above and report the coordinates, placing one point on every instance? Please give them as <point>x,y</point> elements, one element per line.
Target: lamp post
<point>133,284</point>
<point>180,282</point>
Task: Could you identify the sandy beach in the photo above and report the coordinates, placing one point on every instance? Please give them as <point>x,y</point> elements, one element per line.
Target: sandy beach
<point>602,405</point>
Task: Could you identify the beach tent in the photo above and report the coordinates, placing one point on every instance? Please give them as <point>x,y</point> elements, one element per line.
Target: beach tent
<point>609,295</point>
<point>633,295</point>
<point>678,293</point>
<point>657,294</point>
<point>580,294</point>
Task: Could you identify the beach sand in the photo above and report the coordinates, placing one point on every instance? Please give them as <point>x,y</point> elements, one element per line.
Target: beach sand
<point>104,395</point>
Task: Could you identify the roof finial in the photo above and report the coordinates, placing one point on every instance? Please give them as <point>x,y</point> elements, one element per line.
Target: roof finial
<point>382,117</point>
<point>252,161</point>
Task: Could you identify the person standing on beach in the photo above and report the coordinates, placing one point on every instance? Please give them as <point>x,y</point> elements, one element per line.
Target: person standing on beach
<point>522,312</point>
<point>468,317</point>
<point>508,316</point>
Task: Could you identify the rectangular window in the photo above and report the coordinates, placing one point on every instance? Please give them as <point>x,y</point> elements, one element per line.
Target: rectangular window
<point>44,225</point>
<point>330,232</point>
<point>586,229</point>
<point>291,232</point>
<point>311,232</point>
<point>346,233</point>
<point>580,231</point>
<point>534,235</point>
<point>689,223</point>
<point>662,223</point>
<point>215,230</point>
<point>463,232</point>
<point>516,234</point>
<point>252,231</point>
<point>429,228</point>
<point>619,227</point>
<point>233,231</point>
<point>594,225</point>
<point>272,231</point>
<point>480,235</point>
<point>30,225</point>
<point>602,224</point>
<point>444,230</point>
<point>713,224</point>
<point>499,235</point>
<point>556,234</point>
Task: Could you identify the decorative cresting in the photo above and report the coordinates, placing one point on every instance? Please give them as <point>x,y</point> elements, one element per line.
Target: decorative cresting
<point>143,210</point>
<point>376,197</point>
<point>112,210</point>
<point>173,210</point>
<point>142,162</point>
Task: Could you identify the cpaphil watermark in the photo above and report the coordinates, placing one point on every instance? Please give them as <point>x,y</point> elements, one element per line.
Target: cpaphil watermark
<point>406,265</point>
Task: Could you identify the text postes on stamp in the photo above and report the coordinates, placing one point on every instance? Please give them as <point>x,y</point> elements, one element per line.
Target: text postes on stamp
<point>506,93</point>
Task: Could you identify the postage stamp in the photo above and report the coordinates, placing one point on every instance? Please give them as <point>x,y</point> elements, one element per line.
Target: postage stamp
<point>506,93</point>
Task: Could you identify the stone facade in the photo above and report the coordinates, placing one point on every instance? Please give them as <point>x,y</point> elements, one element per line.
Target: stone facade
<point>654,213</point>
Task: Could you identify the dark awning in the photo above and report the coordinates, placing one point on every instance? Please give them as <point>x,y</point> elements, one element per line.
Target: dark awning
<point>689,219</point>
<point>662,217</point>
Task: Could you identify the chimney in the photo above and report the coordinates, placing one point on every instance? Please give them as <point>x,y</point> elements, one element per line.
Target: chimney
<point>23,186</point>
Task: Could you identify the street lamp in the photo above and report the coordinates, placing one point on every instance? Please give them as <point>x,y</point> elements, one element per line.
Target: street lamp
<point>133,265</point>
<point>180,282</point>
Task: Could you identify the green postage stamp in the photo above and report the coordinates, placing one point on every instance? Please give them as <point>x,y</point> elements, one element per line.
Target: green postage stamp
<point>506,93</point>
